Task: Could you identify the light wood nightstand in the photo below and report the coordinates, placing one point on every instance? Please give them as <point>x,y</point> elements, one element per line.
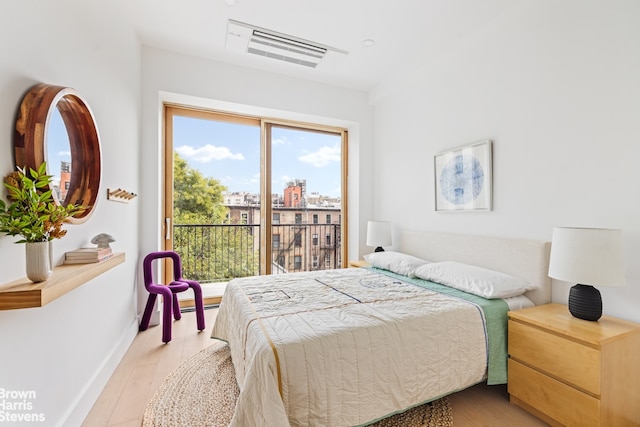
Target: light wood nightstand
<point>358,263</point>
<point>574,372</point>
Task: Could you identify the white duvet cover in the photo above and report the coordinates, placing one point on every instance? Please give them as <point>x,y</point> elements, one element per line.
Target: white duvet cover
<point>345,347</point>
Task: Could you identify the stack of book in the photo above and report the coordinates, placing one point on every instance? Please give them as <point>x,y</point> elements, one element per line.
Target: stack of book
<point>87,255</point>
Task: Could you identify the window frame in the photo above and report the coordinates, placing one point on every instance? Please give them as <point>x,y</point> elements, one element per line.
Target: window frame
<point>266,126</point>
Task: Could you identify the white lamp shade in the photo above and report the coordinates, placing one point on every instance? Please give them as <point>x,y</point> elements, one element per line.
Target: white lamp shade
<point>378,233</point>
<point>588,256</point>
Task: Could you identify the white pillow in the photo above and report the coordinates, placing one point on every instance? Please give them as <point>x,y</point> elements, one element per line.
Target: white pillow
<point>396,262</point>
<point>474,280</point>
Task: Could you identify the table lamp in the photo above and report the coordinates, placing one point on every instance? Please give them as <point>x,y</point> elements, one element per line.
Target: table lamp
<point>379,234</point>
<point>588,257</point>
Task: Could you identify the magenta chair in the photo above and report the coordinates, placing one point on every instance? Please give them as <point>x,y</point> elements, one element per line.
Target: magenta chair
<point>169,293</point>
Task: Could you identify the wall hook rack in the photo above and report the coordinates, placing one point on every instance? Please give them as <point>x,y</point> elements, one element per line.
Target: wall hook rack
<point>120,195</point>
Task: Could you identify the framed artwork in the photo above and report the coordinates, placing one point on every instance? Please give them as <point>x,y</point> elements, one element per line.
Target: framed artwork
<point>463,178</point>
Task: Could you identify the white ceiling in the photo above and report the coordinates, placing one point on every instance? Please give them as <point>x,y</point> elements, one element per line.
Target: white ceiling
<point>409,34</point>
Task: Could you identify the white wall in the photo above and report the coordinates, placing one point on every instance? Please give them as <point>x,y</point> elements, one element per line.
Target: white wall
<point>65,351</point>
<point>171,77</point>
<point>555,85</point>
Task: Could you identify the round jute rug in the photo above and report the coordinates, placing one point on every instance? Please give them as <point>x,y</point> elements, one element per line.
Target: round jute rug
<point>202,392</point>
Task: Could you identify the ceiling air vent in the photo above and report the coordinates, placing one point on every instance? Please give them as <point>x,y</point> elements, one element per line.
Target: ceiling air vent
<point>259,41</point>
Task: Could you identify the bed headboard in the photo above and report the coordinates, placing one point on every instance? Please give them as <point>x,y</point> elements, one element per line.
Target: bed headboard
<point>524,258</point>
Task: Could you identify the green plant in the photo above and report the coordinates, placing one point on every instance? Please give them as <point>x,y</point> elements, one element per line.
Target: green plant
<point>32,213</point>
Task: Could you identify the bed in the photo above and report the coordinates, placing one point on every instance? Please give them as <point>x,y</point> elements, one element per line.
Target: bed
<point>348,347</point>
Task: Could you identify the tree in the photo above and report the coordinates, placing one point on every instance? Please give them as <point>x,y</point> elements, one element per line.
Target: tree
<point>196,199</point>
<point>210,249</point>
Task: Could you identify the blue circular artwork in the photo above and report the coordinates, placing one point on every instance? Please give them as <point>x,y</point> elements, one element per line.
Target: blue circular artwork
<point>461,179</point>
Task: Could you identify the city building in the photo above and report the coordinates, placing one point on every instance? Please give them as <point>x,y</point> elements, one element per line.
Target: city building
<point>305,236</point>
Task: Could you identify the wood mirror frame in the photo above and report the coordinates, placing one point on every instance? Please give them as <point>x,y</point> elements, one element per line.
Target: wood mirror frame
<point>30,138</point>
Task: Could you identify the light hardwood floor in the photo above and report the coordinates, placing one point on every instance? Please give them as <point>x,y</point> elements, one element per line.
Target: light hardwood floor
<point>148,361</point>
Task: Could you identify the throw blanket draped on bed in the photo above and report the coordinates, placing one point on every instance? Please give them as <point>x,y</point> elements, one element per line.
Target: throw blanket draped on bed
<point>346,347</point>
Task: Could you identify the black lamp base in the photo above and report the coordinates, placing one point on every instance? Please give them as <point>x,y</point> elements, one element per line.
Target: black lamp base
<point>585,302</point>
<point>379,249</point>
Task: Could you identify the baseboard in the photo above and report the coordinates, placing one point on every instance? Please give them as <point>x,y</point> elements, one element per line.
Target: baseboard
<point>81,406</point>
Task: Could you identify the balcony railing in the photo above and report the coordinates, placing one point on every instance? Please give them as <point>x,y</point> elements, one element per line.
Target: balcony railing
<point>221,252</point>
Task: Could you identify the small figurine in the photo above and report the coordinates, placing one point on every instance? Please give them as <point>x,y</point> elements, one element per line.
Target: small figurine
<point>103,240</point>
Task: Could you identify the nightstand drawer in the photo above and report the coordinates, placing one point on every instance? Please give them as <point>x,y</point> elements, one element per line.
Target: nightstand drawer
<point>561,358</point>
<point>555,399</point>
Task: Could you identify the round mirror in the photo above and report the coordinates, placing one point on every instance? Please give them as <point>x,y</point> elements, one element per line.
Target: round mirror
<point>41,110</point>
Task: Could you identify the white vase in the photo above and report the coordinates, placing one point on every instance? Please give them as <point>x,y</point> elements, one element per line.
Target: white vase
<point>38,261</point>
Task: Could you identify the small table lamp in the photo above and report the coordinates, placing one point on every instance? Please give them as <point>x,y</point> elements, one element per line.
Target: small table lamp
<point>587,257</point>
<point>379,234</point>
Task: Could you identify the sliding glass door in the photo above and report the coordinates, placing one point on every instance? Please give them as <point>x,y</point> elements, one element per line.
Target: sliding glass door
<point>247,196</point>
<point>306,183</point>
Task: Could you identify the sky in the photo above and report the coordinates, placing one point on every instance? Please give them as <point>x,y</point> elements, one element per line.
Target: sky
<point>57,145</point>
<point>231,153</point>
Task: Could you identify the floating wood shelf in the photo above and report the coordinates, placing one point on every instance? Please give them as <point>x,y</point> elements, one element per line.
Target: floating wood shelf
<point>23,293</point>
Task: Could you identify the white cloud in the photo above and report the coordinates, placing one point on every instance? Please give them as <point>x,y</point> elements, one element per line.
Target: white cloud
<point>322,157</point>
<point>255,179</point>
<point>207,153</point>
